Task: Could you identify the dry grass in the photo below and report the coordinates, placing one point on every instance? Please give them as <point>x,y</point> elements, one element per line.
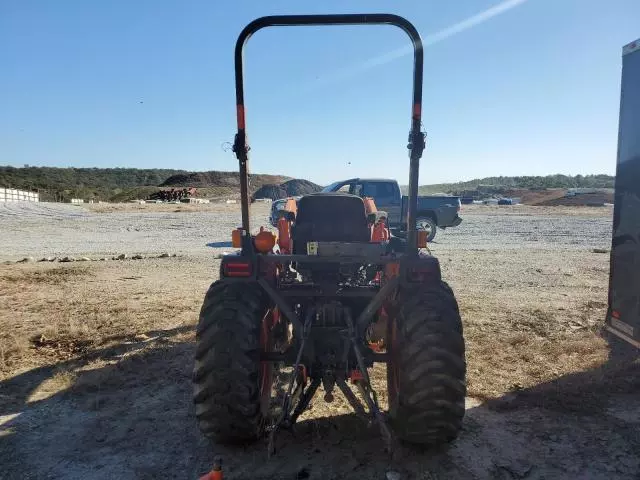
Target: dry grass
<point>538,328</point>
<point>529,346</point>
<point>26,278</point>
<point>57,314</point>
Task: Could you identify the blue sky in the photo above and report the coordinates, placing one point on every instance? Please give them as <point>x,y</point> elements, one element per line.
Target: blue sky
<point>516,87</point>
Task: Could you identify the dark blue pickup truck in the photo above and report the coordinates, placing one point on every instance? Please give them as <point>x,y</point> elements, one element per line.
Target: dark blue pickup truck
<point>433,211</point>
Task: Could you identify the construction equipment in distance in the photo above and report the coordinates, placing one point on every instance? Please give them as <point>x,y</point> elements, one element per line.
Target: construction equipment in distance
<point>327,298</point>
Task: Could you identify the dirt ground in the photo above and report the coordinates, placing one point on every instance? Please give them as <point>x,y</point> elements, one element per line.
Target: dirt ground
<point>96,356</point>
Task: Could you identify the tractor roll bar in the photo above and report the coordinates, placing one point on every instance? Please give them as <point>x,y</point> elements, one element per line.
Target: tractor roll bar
<point>416,138</point>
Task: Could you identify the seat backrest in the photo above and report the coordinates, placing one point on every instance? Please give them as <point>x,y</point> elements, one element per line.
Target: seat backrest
<point>330,217</point>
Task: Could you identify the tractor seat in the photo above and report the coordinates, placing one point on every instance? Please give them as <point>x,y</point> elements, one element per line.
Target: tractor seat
<point>329,217</point>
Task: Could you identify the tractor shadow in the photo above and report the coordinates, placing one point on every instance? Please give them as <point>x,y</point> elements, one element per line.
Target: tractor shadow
<point>119,412</point>
<point>127,413</point>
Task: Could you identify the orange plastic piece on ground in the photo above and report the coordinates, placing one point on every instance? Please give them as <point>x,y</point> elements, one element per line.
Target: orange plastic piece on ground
<point>213,475</point>
<point>216,473</point>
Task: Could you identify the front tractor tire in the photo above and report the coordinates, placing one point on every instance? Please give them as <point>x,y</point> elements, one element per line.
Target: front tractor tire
<point>228,377</point>
<point>426,374</point>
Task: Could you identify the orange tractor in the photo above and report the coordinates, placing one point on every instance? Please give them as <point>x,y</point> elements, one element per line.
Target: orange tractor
<point>333,293</point>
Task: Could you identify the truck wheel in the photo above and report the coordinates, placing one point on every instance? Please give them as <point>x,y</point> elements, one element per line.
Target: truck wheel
<point>231,386</point>
<point>429,225</point>
<point>427,369</point>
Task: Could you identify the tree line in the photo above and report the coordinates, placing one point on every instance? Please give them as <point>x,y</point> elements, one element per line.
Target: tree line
<point>524,182</point>
<point>108,183</point>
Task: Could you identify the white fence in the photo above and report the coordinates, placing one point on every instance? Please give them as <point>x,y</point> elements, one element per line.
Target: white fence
<point>13,195</point>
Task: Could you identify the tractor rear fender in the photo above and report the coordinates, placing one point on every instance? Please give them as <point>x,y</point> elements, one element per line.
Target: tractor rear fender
<point>424,269</point>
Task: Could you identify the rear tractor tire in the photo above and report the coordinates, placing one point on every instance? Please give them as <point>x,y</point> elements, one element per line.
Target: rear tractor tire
<point>427,370</point>
<point>228,378</point>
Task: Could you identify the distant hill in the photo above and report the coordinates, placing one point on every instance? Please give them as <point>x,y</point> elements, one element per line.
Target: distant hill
<point>525,182</point>
<point>123,184</point>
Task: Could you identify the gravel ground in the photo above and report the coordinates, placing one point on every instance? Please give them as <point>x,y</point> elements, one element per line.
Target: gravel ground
<point>49,229</point>
<point>41,230</point>
<point>96,357</point>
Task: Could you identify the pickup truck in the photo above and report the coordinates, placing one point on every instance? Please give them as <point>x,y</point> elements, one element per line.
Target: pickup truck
<point>433,211</point>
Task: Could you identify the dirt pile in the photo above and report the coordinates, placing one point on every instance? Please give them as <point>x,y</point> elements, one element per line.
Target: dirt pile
<point>273,192</point>
<point>300,187</point>
<point>218,179</point>
<point>585,199</point>
<point>290,188</point>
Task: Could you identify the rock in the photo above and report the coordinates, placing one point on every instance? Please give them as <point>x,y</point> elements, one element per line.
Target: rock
<point>26,260</point>
<point>68,259</point>
<point>599,250</point>
<point>393,475</point>
<point>163,255</point>
<point>174,254</point>
<point>122,256</point>
<point>43,259</point>
<point>51,259</point>
<point>137,257</point>
<point>84,259</point>
<point>104,259</point>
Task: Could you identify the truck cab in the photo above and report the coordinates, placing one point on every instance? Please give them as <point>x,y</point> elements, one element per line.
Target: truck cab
<point>433,211</point>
